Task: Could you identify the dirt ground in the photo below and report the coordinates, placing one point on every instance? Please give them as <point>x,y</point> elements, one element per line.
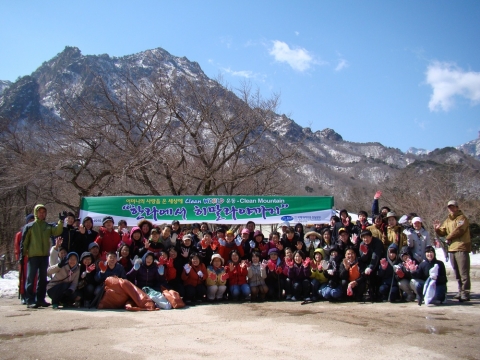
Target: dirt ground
<point>281,330</point>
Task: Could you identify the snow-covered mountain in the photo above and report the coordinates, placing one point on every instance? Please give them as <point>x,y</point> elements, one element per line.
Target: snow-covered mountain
<point>325,160</point>
<point>471,148</point>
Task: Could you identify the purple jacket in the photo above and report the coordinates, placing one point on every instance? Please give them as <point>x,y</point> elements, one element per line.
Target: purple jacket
<point>298,273</point>
<point>147,275</point>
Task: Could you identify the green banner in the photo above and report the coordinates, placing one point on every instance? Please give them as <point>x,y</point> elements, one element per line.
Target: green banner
<point>211,209</point>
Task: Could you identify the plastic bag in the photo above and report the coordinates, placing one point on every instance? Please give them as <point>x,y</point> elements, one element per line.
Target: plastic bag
<point>158,298</point>
<point>429,290</point>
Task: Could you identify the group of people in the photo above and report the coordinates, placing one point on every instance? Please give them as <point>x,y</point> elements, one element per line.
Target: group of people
<point>339,261</point>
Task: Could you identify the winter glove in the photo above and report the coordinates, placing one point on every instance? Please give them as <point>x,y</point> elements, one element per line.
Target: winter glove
<point>324,265</point>
<point>102,266</point>
<point>63,262</point>
<point>330,272</point>
<point>162,261</point>
<point>187,268</point>
<point>200,273</point>
<point>212,276</point>
<point>263,265</point>
<point>136,263</point>
<point>271,265</point>
<point>307,243</point>
<point>383,263</point>
<point>306,262</point>
<point>252,244</point>
<point>214,245</point>
<point>224,277</point>
<point>368,271</point>
<point>161,270</point>
<point>90,268</point>
<point>354,239</point>
<point>314,265</point>
<point>398,271</point>
<point>279,270</point>
<point>62,216</point>
<point>222,242</point>
<point>363,248</point>
<point>238,241</point>
<point>349,291</point>
<point>288,262</point>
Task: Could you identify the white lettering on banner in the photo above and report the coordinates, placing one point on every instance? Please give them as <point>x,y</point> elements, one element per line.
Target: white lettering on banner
<point>247,201</point>
<point>191,201</point>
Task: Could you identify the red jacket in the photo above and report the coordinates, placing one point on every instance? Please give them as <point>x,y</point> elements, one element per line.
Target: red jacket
<point>107,241</point>
<point>224,251</point>
<point>238,276</point>
<point>192,277</point>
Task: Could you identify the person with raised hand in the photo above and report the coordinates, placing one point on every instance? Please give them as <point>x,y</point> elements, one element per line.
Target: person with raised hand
<point>237,277</point>
<point>194,275</point>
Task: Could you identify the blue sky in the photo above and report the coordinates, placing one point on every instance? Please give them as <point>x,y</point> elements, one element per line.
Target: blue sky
<point>403,73</point>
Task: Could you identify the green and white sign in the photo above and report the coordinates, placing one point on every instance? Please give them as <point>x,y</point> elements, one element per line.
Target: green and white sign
<point>211,209</point>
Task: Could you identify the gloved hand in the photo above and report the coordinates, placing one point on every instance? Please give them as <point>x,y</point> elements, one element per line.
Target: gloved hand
<point>62,216</point>
<point>368,271</point>
<point>252,244</point>
<point>238,241</point>
<point>383,263</point>
<point>222,242</point>
<point>363,248</point>
<point>90,268</point>
<point>161,270</point>
<point>200,274</point>
<point>354,239</point>
<point>279,270</point>
<point>224,277</point>
<point>63,262</point>
<point>263,264</point>
<point>307,243</point>
<point>271,265</point>
<point>288,262</point>
<point>187,268</point>
<point>137,263</point>
<point>212,276</point>
<point>102,266</point>
<point>398,271</point>
<point>315,266</point>
<point>349,291</point>
<point>330,272</point>
<point>306,262</point>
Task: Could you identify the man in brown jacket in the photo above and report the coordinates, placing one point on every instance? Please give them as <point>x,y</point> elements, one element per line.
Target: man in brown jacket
<point>456,231</point>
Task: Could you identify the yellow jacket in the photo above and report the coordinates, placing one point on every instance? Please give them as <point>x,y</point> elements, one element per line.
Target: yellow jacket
<point>456,230</point>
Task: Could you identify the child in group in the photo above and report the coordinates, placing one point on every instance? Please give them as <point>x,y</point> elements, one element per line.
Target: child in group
<point>64,281</point>
<point>237,277</point>
<point>124,257</point>
<point>146,273</point>
<point>299,275</point>
<point>352,274</point>
<point>257,273</point>
<point>194,275</point>
<point>319,280</point>
<point>229,244</point>
<point>275,278</point>
<point>86,284</point>
<point>216,281</point>
<point>388,284</point>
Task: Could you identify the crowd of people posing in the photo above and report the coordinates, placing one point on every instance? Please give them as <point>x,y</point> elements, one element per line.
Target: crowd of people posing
<point>339,261</point>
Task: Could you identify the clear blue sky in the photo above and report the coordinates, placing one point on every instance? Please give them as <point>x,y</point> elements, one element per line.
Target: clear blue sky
<point>403,73</point>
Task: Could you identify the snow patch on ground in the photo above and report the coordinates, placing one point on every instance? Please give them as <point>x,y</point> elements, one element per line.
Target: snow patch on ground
<point>9,285</point>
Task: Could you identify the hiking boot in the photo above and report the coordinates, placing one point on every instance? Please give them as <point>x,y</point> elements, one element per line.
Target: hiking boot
<point>464,297</point>
<point>457,296</point>
<point>33,306</point>
<point>43,303</point>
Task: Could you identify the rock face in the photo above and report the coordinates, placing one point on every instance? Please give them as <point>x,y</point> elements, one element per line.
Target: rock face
<point>326,163</point>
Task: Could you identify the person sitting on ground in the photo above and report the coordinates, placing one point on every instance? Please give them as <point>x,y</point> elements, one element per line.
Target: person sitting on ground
<point>333,291</point>
<point>257,273</point>
<point>216,280</point>
<point>109,268</point>
<point>403,276</point>
<point>86,283</point>
<point>65,274</point>
<point>194,275</point>
<point>237,277</point>
<point>319,280</point>
<point>299,276</point>
<point>107,239</point>
<point>388,289</point>
<point>352,275</point>
<point>422,273</point>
